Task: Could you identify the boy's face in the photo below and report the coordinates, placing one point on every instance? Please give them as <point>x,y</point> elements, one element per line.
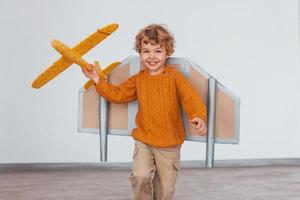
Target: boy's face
<point>153,57</point>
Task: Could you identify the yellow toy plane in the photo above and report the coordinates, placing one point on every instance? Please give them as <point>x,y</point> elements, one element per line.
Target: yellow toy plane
<point>70,56</point>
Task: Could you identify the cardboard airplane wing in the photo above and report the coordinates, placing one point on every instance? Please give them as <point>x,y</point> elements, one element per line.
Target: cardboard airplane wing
<point>121,117</point>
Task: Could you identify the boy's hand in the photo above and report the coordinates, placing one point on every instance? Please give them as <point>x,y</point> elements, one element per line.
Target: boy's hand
<point>91,74</point>
<point>200,125</point>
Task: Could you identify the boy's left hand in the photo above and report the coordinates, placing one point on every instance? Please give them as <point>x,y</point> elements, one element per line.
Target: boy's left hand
<point>200,125</point>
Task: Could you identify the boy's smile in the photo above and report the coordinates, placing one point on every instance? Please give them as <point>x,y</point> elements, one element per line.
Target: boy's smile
<point>153,57</point>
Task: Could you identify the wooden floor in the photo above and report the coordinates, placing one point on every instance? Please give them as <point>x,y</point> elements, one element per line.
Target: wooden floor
<point>109,181</point>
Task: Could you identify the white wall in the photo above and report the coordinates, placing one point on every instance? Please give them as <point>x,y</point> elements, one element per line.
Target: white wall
<point>251,46</point>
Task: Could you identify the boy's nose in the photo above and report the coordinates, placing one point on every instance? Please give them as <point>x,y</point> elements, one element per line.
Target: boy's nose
<point>152,55</point>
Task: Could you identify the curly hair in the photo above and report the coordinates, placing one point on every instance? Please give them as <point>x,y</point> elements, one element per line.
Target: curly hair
<point>156,34</point>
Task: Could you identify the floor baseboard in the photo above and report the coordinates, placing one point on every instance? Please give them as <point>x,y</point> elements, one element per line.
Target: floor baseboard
<point>184,164</point>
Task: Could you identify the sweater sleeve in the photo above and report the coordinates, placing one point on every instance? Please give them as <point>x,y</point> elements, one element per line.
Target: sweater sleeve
<point>123,93</point>
<point>190,100</point>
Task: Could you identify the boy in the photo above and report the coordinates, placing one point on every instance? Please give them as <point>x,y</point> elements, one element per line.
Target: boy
<point>159,89</point>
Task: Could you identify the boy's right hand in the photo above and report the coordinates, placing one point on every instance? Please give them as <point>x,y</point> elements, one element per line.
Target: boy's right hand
<point>91,74</point>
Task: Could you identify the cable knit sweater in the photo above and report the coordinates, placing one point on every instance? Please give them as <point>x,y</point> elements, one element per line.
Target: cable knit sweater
<point>159,122</point>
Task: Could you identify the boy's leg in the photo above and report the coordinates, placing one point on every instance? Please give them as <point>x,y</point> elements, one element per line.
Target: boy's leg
<point>143,170</point>
<point>167,161</point>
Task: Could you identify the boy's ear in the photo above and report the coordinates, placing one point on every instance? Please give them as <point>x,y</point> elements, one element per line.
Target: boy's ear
<point>169,55</point>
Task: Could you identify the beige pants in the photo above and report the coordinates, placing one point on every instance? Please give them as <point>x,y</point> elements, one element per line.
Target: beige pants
<point>154,171</point>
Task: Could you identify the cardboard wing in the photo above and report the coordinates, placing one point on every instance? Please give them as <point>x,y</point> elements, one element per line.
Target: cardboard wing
<point>121,117</point>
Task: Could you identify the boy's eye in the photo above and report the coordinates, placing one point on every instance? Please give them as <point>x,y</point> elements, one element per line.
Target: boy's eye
<point>158,51</point>
<point>145,51</point>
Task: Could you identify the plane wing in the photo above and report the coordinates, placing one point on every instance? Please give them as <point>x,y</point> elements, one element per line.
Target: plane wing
<point>82,48</point>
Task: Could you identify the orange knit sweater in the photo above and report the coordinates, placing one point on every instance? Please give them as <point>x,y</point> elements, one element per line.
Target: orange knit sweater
<point>159,122</point>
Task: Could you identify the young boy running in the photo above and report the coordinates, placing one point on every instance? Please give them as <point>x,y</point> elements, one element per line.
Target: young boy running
<point>159,90</point>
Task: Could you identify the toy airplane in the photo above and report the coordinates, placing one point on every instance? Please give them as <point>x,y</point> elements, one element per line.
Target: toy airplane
<point>73,55</point>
